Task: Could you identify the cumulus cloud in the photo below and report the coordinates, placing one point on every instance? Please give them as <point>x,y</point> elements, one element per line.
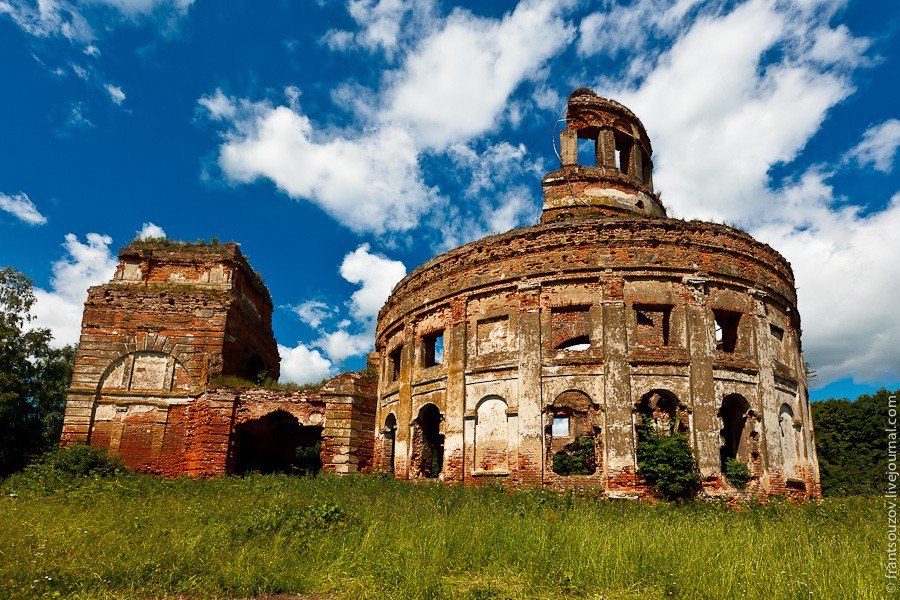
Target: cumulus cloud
<point>628,26</point>
<point>453,84</point>
<point>312,312</point>
<point>149,230</point>
<point>878,146</point>
<point>21,207</point>
<point>833,244</point>
<point>115,93</point>
<point>340,345</point>
<point>376,275</point>
<point>382,24</point>
<point>373,183</point>
<point>302,364</point>
<point>61,307</point>
<point>738,115</point>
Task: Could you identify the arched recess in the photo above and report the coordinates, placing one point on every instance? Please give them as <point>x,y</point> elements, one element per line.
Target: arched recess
<point>389,442</point>
<point>738,430</point>
<point>788,435</point>
<point>572,438</point>
<point>145,371</point>
<point>492,435</point>
<point>660,411</point>
<point>427,459</point>
<point>277,443</point>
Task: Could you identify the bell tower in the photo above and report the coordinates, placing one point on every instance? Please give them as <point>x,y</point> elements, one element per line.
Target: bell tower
<point>615,178</point>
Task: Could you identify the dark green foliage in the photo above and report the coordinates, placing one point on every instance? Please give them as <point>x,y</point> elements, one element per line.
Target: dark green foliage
<point>65,468</point>
<point>33,377</point>
<point>666,461</point>
<point>309,459</point>
<point>851,443</point>
<point>737,472</point>
<point>576,459</point>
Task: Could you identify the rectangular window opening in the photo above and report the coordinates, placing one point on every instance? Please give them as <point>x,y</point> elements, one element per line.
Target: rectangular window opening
<point>653,325</point>
<point>560,427</point>
<point>587,152</point>
<point>433,349</point>
<point>394,359</point>
<point>571,328</point>
<point>777,332</point>
<point>726,329</point>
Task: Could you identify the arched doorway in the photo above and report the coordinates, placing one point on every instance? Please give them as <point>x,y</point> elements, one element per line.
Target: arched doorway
<point>389,442</point>
<point>428,443</point>
<point>277,443</point>
<point>736,416</point>
<point>660,412</point>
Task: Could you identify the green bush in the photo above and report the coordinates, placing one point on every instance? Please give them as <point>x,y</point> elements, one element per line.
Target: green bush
<point>309,459</point>
<point>666,461</point>
<point>65,468</point>
<point>576,458</point>
<point>737,472</point>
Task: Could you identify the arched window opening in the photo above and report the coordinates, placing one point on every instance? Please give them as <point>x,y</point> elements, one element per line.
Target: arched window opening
<point>624,148</point>
<point>277,443</point>
<point>572,436</point>
<point>738,423</point>
<point>660,412</point>
<point>428,443</point>
<point>389,434</point>
<point>726,328</point>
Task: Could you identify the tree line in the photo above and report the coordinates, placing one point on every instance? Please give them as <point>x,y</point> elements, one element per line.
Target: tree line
<point>851,435</point>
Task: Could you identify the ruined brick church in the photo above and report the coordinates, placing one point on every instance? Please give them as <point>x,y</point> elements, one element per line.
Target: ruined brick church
<point>509,359</point>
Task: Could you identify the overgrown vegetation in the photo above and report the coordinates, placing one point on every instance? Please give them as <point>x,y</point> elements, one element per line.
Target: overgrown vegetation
<point>309,459</point>
<point>65,468</point>
<point>576,459</point>
<point>852,443</point>
<point>33,377</point>
<point>133,536</point>
<point>232,381</point>
<point>737,472</point>
<point>666,461</point>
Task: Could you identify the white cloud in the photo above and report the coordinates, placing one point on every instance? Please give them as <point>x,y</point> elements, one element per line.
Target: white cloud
<point>376,275</point>
<point>87,264</point>
<point>628,27</point>
<point>75,21</point>
<point>340,344</point>
<point>149,230</point>
<point>846,269</point>
<point>382,24</point>
<point>21,207</point>
<point>313,312</point>
<point>715,143</point>
<point>455,83</point>
<point>302,364</point>
<point>878,146</point>
<point>371,183</point>
<point>115,93</point>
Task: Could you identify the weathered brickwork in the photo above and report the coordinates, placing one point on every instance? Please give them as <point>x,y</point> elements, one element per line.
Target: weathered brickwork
<point>175,317</point>
<point>604,314</point>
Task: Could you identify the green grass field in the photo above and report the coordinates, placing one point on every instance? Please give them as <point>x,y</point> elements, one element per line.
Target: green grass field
<point>372,537</point>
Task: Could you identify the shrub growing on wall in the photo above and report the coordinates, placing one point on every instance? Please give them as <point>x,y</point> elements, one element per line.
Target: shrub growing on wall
<point>666,461</point>
<point>576,458</point>
<point>737,472</point>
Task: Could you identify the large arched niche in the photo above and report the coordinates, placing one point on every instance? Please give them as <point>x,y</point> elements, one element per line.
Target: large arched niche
<point>492,435</point>
<point>146,371</point>
<point>427,459</point>
<point>661,411</point>
<point>572,435</point>
<point>788,438</point>
<point>738,432</point>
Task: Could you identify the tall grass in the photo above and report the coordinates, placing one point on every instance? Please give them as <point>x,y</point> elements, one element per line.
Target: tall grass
<point>372,537</point>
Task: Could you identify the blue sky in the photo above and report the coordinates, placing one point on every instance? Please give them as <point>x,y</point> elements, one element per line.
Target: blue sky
<point>345,143</point>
